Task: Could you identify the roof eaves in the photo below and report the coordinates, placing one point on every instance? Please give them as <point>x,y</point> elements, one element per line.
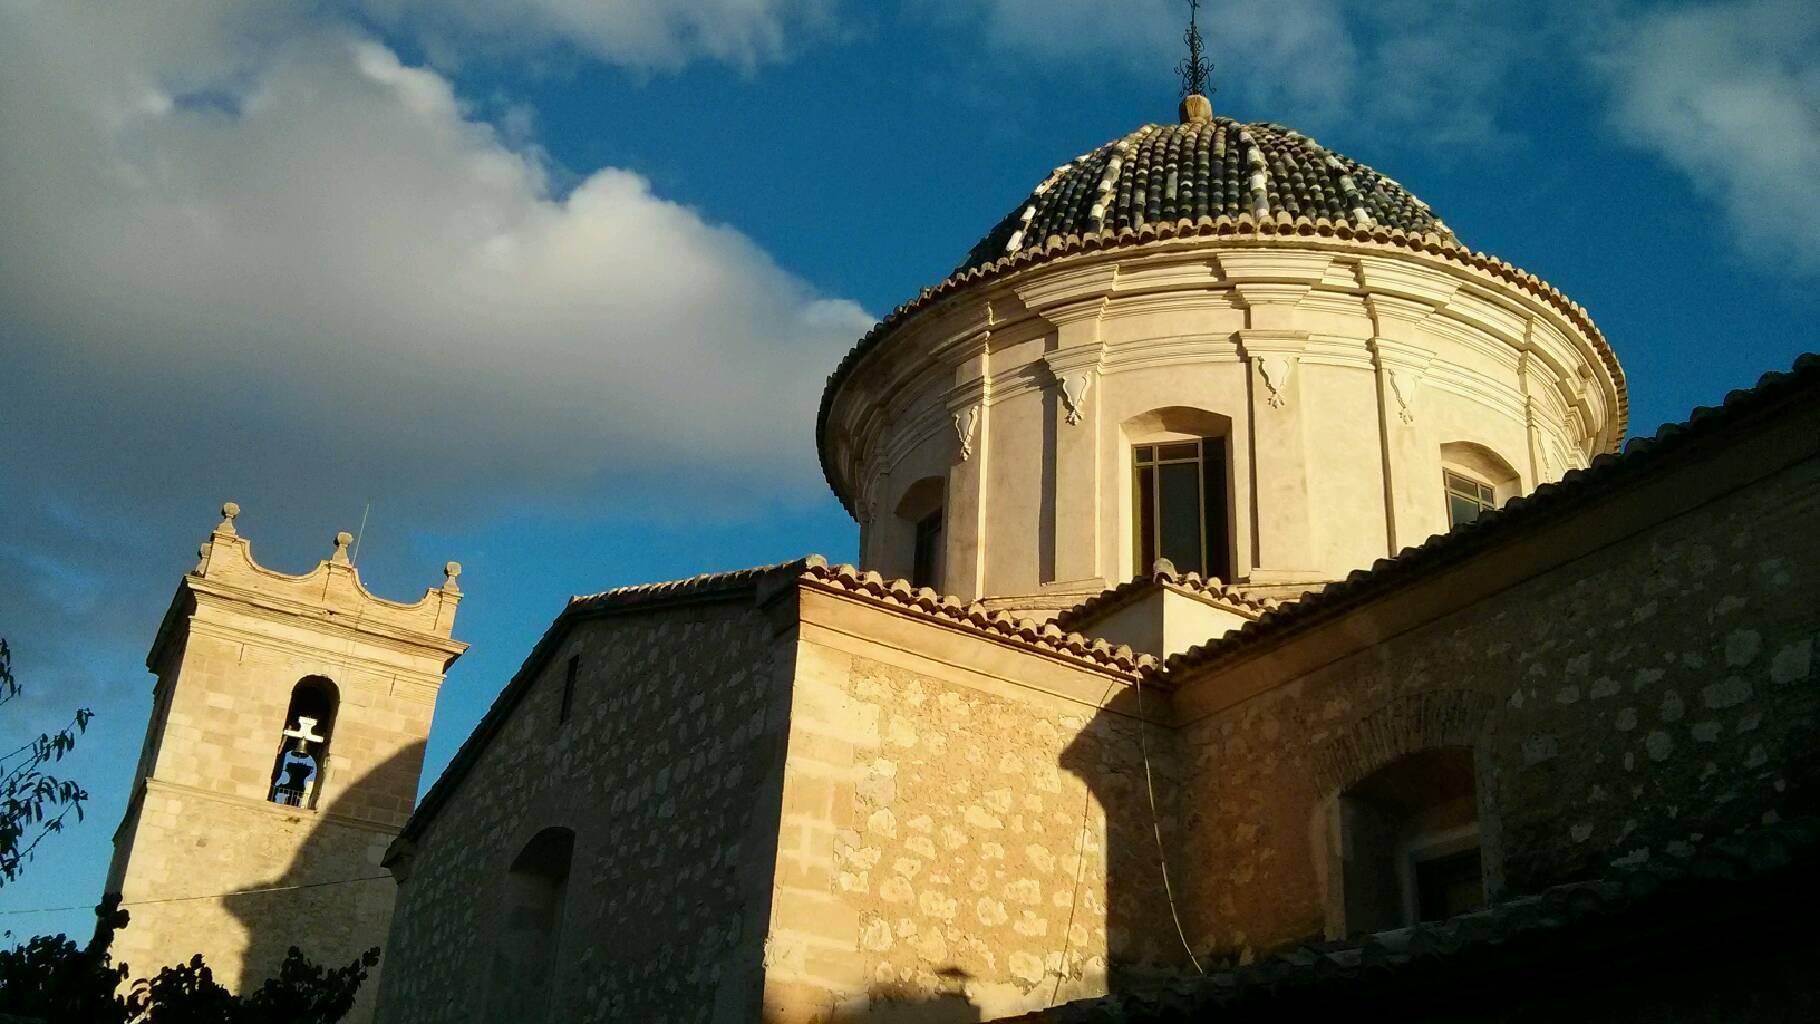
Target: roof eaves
<point>1211,591</point>
<point>1446,549</point>
<point>1043,637</point>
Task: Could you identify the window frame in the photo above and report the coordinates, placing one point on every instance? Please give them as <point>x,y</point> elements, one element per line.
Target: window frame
<point>1480,493</point>
<point>928,534</point>
<point>566,709</point>
<point>1216,553</point>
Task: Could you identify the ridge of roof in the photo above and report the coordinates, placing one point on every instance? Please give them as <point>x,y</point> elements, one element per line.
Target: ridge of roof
<point>1210,589</point>
<point>1243,228</point>
<point>1444,549</point>
<point>1761,856</point>
<point>1045,637</point>
<point>669,593</point>
<point>688,587</point>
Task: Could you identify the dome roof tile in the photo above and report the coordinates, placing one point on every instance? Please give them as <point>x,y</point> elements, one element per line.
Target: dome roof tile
<point>1159,174</point>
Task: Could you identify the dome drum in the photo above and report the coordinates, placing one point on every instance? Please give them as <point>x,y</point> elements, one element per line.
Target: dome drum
<point>1275,408</point>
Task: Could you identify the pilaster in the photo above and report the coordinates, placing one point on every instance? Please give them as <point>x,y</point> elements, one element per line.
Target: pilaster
<point>1283,535</point>
<point>964,529</point>
<point>1531,380</point>
<point>1074,364</point>
<point>1411,455</point>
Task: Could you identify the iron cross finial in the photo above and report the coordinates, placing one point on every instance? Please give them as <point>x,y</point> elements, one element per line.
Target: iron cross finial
<point>1194,69</point>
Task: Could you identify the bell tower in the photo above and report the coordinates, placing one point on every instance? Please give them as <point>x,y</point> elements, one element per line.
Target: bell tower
<point>286,739</point>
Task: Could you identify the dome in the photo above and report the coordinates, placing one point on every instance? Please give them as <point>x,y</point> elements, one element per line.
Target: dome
<point>1213,167</point>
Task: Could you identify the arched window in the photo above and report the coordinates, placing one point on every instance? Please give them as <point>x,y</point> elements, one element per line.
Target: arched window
<point>1181,491</point>
<point>530,929</point>
<point>1410,842</point>
<point>303,744</point>
<point>922,511</point>
<point>1475,480</point>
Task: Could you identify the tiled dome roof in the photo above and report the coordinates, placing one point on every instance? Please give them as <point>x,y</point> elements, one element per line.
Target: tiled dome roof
<point>1203,168</point>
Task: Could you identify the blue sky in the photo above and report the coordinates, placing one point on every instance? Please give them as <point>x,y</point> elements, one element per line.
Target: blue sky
<point>555,283</point>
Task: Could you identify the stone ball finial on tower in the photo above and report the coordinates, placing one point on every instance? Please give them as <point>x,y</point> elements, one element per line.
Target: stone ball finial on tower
<point>342,540</point>
<point>1196,109</point>
<point>229,510</point>
<point>450,573</point>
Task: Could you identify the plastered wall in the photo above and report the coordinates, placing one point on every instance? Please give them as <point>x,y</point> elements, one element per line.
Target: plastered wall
<point>1339,375</point>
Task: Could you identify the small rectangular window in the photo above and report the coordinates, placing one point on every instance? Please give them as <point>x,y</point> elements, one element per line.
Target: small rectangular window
<point>926,560</point>
<point>568,688</point>
<point>1179,506</point>
<point>1467,499</point>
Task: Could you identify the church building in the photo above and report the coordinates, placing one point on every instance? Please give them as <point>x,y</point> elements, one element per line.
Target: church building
<point>1247,565</point>
<point>1256,596</point>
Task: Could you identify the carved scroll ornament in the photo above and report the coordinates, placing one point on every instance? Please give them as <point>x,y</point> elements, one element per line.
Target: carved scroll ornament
<point>966,424</point>
<point>1275,372</point>
<point>1074,394</point>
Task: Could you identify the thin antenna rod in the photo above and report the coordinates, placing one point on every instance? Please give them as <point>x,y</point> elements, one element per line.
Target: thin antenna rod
<point>354,557</point>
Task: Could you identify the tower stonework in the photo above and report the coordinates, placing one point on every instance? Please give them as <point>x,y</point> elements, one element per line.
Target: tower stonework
<point>282,756</point>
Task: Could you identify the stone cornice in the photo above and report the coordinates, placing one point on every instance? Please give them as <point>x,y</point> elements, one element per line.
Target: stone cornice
<point>350,626</point>
<point>200,626</point>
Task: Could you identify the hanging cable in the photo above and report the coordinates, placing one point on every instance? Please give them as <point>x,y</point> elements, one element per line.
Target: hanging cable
<point>215,896</point>
<point>1080,863</point>
<point>1156,828</point>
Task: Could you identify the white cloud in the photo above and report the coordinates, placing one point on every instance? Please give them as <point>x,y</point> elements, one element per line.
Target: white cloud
<point>652,34</point>
<point>267,260</point>
<point>1729,94</point>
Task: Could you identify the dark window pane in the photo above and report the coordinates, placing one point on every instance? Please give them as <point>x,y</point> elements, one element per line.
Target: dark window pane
<point>568,688</point>
<point>1449,886</point>
<point>1213,481</point>
<point>1184,450</point>
<point>1144,507</point>
<point>1179,505</point>
<point>1145,454</point>
<point>928,550</point>
<point>1462,510</point>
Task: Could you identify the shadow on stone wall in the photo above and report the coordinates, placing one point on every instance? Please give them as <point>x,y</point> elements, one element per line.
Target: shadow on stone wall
<point>907,1004</point>
<point>1109,757</point>
<point>333,901</point>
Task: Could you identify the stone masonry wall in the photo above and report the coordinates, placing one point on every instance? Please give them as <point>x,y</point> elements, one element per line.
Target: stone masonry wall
<point>658,772</point>
<point>1622,706</point>
<point>953,838</point>
<point>201,844</point>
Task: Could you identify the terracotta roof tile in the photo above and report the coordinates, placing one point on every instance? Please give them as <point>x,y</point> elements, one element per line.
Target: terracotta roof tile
<point>1164,176</point>
<point>1444,549</point>
<point>1041,636</point>
<point>1213,591</point>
